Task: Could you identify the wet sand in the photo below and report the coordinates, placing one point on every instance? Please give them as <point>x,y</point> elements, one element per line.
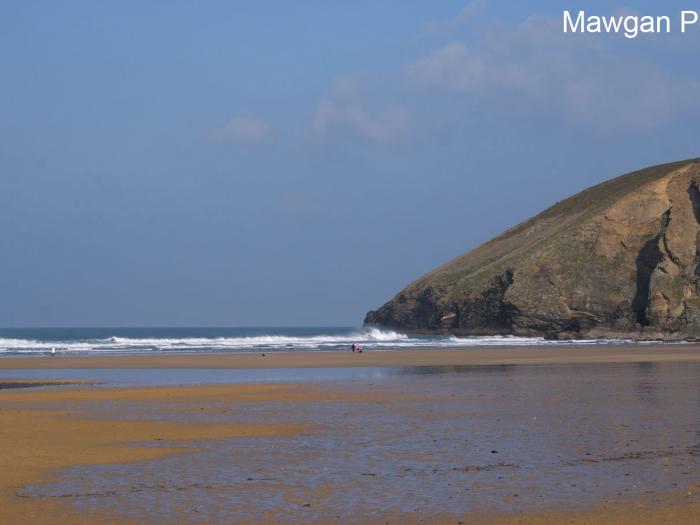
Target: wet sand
<point>591,435</point>
<point>45,430</point>
<point>385,358</point>
<point>7,384</point>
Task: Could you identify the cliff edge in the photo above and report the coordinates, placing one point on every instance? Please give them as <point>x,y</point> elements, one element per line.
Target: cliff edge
<point>618,259</point>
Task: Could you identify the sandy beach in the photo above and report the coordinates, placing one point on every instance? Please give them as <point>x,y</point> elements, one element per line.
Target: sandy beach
<point>354,451</point>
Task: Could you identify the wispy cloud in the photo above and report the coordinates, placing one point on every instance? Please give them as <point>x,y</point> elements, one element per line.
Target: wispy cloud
<point>466,14</point>
<point>585,80</point>
<point>345,110</point>
<point>244,129</point>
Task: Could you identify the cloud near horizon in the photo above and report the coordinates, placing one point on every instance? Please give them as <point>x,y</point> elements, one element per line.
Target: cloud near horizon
<point>245,129</point>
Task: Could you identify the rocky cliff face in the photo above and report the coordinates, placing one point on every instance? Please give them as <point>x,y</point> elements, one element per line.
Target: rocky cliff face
<point>619,259</point>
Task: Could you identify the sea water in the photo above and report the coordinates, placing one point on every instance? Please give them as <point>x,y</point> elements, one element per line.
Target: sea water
<point>42,341</point>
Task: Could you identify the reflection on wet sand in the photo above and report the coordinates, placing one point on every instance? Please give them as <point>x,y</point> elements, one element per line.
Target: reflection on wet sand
<point>431,442</point>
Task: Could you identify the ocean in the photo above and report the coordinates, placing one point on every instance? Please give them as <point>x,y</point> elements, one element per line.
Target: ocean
<point>41,341</point>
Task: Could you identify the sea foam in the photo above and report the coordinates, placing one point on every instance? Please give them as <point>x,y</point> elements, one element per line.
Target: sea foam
<point>368,338</point>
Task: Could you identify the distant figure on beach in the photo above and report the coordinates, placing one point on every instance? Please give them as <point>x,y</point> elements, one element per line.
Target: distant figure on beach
<point>354,347</point>
<point>53,350</point>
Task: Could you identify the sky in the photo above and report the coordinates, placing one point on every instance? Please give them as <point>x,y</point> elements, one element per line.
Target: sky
<point>257,163</point>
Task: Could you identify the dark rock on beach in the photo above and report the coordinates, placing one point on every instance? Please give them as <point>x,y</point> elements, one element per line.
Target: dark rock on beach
<point>620,259</point>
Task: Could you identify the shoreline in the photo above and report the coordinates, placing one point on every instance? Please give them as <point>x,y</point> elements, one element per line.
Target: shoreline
<point>536,355</point>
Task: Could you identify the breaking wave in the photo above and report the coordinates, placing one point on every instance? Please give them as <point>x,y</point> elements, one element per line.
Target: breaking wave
<point>370,338</point>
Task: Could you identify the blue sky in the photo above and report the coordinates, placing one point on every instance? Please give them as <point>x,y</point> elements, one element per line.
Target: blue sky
<point>297,163</point>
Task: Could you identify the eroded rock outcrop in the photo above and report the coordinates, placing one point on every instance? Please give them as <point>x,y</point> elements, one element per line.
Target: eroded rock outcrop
<point>619,259</point>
